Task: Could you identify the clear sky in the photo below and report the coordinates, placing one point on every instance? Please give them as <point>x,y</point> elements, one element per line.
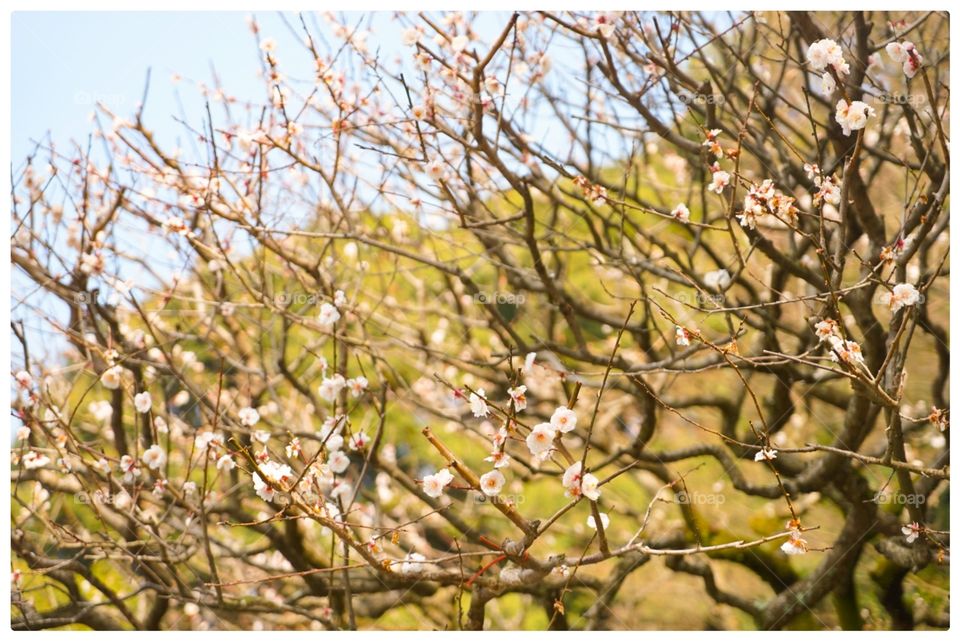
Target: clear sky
<point>63,62</point>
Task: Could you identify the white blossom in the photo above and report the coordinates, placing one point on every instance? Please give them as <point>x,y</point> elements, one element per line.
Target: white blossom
<point>604,521</point>
<point>540,439</point>
<point>248,416</point>
<point>564,419</point>
<point>904,295</point>
<point>492,482</point>
<point>328,315</point>
<point>717,280</point>
<point>33,460</point>
<point>478,403</point>
<point>824,53</point>
<point>519,397</point>
<point>765,454</point>
<point>112,377</point>
<point>154,457</point>
<point>681,213</point>
<point>578,484</point>
<point>434,484</point>
<point>852,116</point>
<point>142,402</point>
<point>330,387</point>
<point>912,531</point>
<point>338,462</point>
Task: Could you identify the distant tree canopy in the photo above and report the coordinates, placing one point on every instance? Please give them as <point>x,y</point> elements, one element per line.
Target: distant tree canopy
<point>542,326</point>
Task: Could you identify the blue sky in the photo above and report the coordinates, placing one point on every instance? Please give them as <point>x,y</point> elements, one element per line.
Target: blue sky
<point>63,62</point>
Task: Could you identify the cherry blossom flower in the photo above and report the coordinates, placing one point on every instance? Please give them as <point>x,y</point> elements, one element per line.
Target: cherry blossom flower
<point>912,531</point>
<point>24,380</point>
<point>852,116</point>
<point>33,460</point>
<point>939,418</point>
<point>906,54</point>
<point>826,328</point>
<point>293,448</point>
<point>519,397</point>
<point>434,484</point>
<point>112,377</point>
<point>154,457</point>
<point>828,192</point>
<point>499,458</point>
<point>596,193</point>
<point>359,441</point>
<point>720,181</point>
<point>681,213</point>
<point>248,416</point>
<point>330,387</point>
<point>208,441</point>
<point>717,280</point>
<point>175,225</point>
<point>277,473</point>
<point>604,521</point>
<point>143,402</point>
<point>765,454</point>
<point>564,419</point>
<point>528,362</point>
<point>129,467</point>
<point>765,199</point>
<point>101,411</point>
<point>341,488</point>
<point>492,482</point>
<point>540,439</point>
<point>459,43</point>
<point>824,53</point>
<point>604,23</point>
<point>683,336</point>
<point>827,84</point>
<point>261,436</point>
<point>847,351</point>
<point>92,263</point>
<point>226,463</point>
<point>890,253</point>
<point>478,403</point>
<point>357,385</point>
<point>411,564</point>
<point>328,315</point>
<point>794,545</point>
<point>338,462</point>
<point>713,144</point>
<point>904,295</point>
<point>411,36</point>
<point>578,484</point>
